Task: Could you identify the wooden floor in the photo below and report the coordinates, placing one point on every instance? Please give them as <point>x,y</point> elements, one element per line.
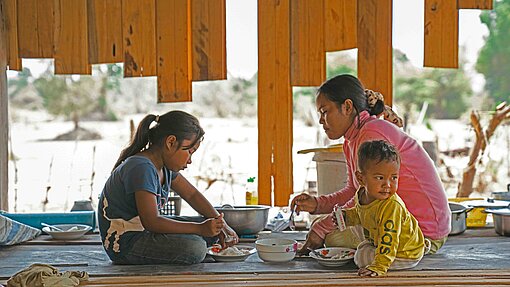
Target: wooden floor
<point>479,257</point>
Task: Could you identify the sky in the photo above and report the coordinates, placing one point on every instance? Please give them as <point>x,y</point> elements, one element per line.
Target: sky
<point>407,36</point>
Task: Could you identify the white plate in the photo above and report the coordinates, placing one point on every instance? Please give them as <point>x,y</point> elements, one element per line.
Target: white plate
<point>347,256</point>
<point>71,231</point>
<point>232,258</point>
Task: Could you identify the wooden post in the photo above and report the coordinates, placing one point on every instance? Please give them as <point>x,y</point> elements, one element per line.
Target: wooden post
<point>441,45</point>
<point>274,102</point>
<point>375,47</point>
<point>4,123</point>
<point>340,20</point>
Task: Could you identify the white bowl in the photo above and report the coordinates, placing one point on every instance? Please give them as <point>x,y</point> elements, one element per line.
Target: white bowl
<point>343,256</point>
<point>71,231</point>
<point>276,249</point>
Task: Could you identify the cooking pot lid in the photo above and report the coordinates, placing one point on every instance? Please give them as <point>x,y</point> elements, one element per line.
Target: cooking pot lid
<point>487,203</point>
<point>503,211</point>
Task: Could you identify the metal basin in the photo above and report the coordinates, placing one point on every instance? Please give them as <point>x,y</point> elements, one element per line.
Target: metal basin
<point>245,219</point>
<point>501,220</point>
<point>459,215</point>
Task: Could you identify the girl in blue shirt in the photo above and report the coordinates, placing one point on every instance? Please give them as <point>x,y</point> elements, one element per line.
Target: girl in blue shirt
<point>133,230</point>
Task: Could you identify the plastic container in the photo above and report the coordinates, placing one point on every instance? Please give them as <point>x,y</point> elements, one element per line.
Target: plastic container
<point>476,217</point>
<point>35,219</point>
<point>252,195</point>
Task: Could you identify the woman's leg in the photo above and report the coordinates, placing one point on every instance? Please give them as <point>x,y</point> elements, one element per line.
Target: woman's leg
<point>157,248</point>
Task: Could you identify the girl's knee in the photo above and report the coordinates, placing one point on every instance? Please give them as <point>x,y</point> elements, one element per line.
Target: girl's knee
<point>195,249</point>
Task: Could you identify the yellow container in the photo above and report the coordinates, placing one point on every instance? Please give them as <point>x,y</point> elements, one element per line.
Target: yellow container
<point>476,217</point>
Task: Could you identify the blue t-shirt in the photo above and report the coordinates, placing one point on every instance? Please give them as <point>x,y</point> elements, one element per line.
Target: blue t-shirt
<point>119,222</point>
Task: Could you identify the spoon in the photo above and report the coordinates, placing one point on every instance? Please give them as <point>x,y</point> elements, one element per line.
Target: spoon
<point>292,224</point>
<point>52,227</point>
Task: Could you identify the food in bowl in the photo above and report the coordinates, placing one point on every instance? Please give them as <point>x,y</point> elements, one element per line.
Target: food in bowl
<point>276,249</point>
<point>67,231</point>
<point>333,256</point>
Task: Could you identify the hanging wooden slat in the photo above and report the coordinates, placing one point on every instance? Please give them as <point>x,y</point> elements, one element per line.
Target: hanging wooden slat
<point>475,4</point>
<point>340,24</point>
<point>208,40</point>
<point>4,113</point>
<point>274,102</point>
<point>35,28</point>
<point>105,31</point>
<point>441,34</point>
<point>71,37</point>
<point>11,28</point>
<point>308,58</point>
<point>375,46</point>
<point>174,83</point>
<point>139,34</point>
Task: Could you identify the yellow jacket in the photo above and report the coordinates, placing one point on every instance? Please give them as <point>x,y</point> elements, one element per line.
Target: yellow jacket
<point>390,227</point>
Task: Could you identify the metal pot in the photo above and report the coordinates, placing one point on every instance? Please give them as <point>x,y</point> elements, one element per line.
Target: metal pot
<point>246,219</point>
<point>502,195</point>
<point>459,214</point>
<point>501,220</point>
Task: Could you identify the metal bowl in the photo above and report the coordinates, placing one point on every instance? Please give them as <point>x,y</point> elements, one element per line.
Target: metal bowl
<point>246,219</point>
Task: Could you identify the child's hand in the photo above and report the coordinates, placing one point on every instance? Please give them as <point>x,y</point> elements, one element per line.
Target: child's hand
<point>211,226</point>
<point>366,272</point>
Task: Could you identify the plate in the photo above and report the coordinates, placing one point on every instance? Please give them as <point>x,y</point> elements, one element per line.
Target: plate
<point>346,255</point>
<point>232,258</point>
<point>71,231</point>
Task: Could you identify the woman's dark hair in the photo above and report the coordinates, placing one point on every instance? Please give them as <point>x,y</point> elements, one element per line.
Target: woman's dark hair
<point>343,87</point>
<point>378,150</point>
<point>178,123</point>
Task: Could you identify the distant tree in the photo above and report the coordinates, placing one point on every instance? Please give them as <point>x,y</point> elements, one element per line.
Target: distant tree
<point>494,58</point>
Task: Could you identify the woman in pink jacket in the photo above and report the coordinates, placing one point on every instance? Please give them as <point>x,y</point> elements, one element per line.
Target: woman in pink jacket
<point>348,110</point>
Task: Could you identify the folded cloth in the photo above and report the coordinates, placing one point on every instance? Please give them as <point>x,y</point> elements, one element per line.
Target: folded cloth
<point>13,232</point>
<point>44,275</point>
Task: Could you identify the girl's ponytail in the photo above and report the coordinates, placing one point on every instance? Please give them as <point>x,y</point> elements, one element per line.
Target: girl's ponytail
<point>140,140</point>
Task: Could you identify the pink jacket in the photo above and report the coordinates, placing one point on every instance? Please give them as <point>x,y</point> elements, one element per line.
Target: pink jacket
<point>419,185</point>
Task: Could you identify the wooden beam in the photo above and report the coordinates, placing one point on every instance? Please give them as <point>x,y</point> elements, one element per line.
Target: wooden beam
<point>340,24</point>
<point>11,28</point>
<point>274,103</point>
<point>308,57</point>
<point>375,46</point>
<point>208,40</point>
<point>441,34</point>
<point>35,28</point>
<point>475,4</point>
<point>4,112</point>
<point>105,31</point>
<point>139,34</point>
<point>71,38</point>
<point>174,83</point>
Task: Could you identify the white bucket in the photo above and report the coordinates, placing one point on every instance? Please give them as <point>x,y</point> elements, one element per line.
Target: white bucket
<point>331,171</point>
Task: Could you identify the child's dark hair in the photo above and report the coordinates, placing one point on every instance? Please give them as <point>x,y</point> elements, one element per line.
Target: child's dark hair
<point>178,123</point>
<point>343,87</point>
<point>378,150</point>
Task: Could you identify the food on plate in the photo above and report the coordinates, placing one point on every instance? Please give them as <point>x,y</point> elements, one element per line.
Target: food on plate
<point>229,251</point>
<point>342,255</point>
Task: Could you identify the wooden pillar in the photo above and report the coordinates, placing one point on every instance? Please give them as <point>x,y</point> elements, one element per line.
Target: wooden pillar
<point>475,4</point>
<point>441,34</point>
<point>4,124</point>
<point>274,102</point>
<point>340,22</point>
<point>375,46</point>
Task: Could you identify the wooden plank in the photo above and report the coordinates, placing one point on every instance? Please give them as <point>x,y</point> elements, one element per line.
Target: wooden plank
<point>475,4</point>
<point>4,112</point>
<point>71,37</point>
<point>340,24</point>
<point>35,28</point>
<point>308,58</point>
<point>274,102</point>
<point>105,31</point>
<point>441,34</point>
<point>139,34</point>
<point>208,40</point>
<point>11,28</point>
<point>375,46</point>
<point>174,83</point>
